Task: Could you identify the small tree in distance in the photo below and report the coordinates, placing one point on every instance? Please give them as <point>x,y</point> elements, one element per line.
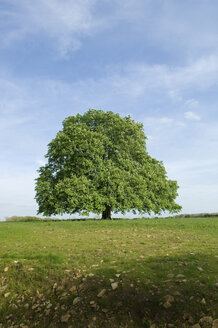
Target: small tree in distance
<point>98,163</point>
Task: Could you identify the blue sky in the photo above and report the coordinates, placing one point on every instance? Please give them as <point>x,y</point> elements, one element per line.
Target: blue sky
<point>155,60</point>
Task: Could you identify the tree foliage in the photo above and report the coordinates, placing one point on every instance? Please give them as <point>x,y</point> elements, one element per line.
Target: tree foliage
<point>98,163</point>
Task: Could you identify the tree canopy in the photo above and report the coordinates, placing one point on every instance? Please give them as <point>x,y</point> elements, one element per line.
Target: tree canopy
<point>98,163</point>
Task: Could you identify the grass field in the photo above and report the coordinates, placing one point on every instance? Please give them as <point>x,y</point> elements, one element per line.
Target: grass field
<point>119,273</point>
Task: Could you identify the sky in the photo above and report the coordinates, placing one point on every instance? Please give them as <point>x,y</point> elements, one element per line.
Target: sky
<point>155,60</point>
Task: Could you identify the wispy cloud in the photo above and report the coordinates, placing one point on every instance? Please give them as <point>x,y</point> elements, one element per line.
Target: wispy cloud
<point>175,95</point>
<point>64,22</point>
<point>192,116</point>
<point>192,103</point>
<point>158,95</point>
<point>170,24</point>
<point>175,24</point>
<point>139,78</point>
<point>162,122</point>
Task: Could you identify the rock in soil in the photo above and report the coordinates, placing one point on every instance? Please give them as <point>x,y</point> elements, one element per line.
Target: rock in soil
<point>102,292</point>
<point>206,322</point>
<point>215,323</point>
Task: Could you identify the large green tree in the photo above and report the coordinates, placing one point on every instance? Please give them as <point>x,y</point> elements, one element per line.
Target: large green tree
<point>98,163</point>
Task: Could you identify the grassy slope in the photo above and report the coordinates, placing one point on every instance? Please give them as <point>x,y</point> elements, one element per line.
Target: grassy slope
<point>165,270</point>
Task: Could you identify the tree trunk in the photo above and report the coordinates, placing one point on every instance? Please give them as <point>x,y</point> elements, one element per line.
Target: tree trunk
<point>106,214</point>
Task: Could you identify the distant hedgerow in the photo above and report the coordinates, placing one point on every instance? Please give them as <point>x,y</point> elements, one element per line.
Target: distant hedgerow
<point>26,219</point>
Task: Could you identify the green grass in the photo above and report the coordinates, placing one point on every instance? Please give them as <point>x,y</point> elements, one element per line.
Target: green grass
<point>51,271</point>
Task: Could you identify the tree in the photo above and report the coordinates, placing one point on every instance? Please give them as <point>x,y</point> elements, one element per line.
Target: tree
<point>98,163</point>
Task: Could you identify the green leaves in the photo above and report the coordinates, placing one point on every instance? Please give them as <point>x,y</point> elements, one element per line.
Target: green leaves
<point>98,161</point>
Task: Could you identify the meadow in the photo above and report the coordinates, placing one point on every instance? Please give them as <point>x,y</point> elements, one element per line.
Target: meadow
<point>116,273</point>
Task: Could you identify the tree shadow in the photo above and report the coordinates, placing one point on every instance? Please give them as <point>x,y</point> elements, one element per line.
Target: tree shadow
<point>165,291</point>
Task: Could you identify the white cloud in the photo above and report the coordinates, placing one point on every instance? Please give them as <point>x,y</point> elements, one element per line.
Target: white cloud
<point>163,122</point>
<point>130,85</point>
<point>192,103</point>
<point>178,26</point>
<point>166,120</point>
<point>138,78</point>
<point>175,95</point>
<point>192,116</point>
<point>65,22</point>
<point>169,24</point>
<point>132,89</point>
